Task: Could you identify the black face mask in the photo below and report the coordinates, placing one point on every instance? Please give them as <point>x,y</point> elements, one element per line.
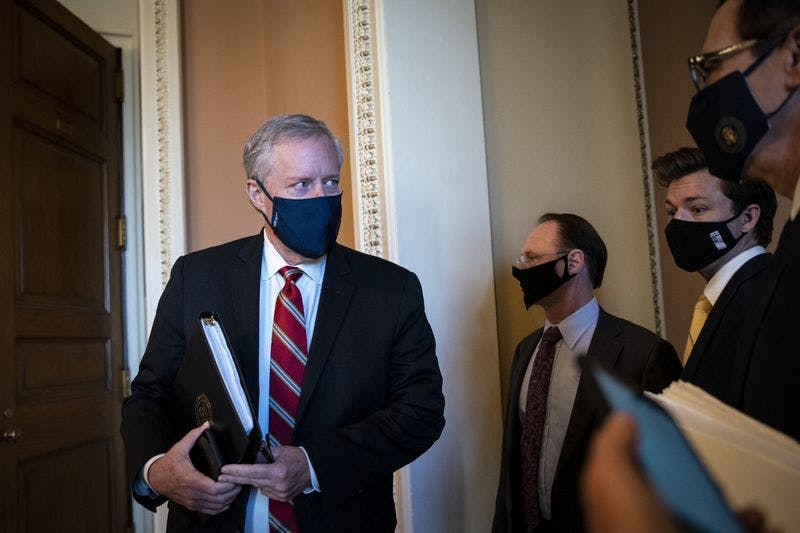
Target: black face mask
<point>727,123</point>
<point>308,227</point>
<point>540,280</point>
<point>695,245</point>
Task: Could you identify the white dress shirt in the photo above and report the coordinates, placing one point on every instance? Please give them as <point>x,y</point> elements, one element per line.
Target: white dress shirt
<point>310,285</point>
<point>720,279</point>
<point>577,331</point>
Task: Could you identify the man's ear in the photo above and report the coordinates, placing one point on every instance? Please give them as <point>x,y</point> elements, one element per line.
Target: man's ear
<point>575,261</point>
<point>752,213</point>
<point>255,195</point>
<point>792,66</point>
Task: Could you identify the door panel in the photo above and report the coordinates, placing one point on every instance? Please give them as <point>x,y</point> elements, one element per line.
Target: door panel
<point>60,278</point>
<point>61,197</point>
<point>45,480</point>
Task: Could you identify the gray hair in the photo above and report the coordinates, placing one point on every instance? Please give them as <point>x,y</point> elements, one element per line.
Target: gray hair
<point>257,156</point>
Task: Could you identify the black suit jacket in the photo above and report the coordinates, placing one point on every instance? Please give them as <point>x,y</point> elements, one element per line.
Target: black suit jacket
<point>766,372</point>
<point>709,365</point>
<point>371,397</point>
<point>638,356</point>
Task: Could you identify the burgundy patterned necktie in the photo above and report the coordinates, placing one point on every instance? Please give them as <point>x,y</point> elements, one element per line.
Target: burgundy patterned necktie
<point>533,427</point>
<point>287,365</point>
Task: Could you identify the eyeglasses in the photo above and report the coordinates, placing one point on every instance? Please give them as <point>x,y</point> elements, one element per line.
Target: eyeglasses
<point>526,260</point>
<point>701,65</point>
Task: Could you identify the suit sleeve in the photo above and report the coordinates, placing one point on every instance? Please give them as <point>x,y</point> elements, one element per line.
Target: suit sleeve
<point>146,428</point>
<point>355,456</point>
<point>663,367</point>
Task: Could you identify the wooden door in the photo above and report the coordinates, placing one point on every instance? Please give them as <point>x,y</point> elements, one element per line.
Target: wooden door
<point>61,460</point>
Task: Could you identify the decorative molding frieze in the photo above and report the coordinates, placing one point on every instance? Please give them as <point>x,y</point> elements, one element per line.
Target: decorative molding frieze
<point>370,205</point>
<point>369,155</point>
<point>162,144</point>
<point>160,17</point>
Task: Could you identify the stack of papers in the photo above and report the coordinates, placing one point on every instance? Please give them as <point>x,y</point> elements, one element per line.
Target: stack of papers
<point>753,464</point>
<point>228,371</point>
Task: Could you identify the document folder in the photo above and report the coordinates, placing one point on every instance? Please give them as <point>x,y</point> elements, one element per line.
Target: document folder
<point>675,472</point>
<point>209,386</point>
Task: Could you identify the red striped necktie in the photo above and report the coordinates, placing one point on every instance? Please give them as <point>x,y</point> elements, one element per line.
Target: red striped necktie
<point>287,365</point>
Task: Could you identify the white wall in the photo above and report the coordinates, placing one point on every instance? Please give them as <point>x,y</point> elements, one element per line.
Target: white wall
<point>443,234</point>
<point>562,135</point>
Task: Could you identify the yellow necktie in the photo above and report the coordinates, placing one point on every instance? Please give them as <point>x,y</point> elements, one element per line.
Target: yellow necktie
<point>701,309</point>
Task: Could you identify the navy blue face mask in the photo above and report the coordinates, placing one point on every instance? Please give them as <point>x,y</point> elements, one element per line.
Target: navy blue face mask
<point>727,123</point>
<point>308,227</point>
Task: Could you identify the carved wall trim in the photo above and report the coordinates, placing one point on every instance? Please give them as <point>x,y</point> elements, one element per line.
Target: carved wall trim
<point>647,179</point>
<point>368,182</point>
<point>163,132</point>
<point>162,144</point>
<point>370,163</point>
<point>162,157</point>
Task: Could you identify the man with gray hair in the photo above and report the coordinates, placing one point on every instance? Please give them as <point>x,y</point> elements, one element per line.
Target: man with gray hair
<point>334,348</point>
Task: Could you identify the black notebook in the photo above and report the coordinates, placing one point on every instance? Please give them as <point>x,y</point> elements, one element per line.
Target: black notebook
<point>209,386</point>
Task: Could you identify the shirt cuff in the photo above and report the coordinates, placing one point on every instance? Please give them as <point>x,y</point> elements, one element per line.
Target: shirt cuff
<point>314,483</point>
<point>141,485</point>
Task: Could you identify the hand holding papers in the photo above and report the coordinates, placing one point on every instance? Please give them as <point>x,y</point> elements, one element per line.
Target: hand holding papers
<point>670,464</point>
<point>755,465</point>
<point>209,386</point>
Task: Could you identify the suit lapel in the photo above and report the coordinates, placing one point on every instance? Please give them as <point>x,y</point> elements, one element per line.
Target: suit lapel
<point>604,348</point>
<point>334,300</point>
<point>244,285</point>
<point>747,271</point>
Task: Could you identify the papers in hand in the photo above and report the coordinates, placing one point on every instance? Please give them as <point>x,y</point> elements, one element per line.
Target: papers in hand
<point>227,370</point>
<point>754,465</point>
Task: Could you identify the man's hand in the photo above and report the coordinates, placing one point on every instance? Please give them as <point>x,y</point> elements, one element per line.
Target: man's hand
<point>615,494</point>
<point>282,480</point>
<point>174,477</point>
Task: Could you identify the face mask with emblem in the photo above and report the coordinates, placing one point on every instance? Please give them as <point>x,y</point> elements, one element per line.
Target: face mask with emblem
<point>727,123</point>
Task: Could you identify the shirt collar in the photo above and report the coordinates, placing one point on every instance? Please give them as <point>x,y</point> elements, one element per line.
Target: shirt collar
<point>720,279</point>
<point>795,201</point>
<point>273,262</point>
<point>576,324</point>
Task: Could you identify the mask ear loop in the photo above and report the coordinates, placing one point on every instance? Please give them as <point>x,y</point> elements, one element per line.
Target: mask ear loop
<point>566,273</point>
<point>734,217</point>
<point>760,59</point>
<point>264,190</point>
<point>261,186</point>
